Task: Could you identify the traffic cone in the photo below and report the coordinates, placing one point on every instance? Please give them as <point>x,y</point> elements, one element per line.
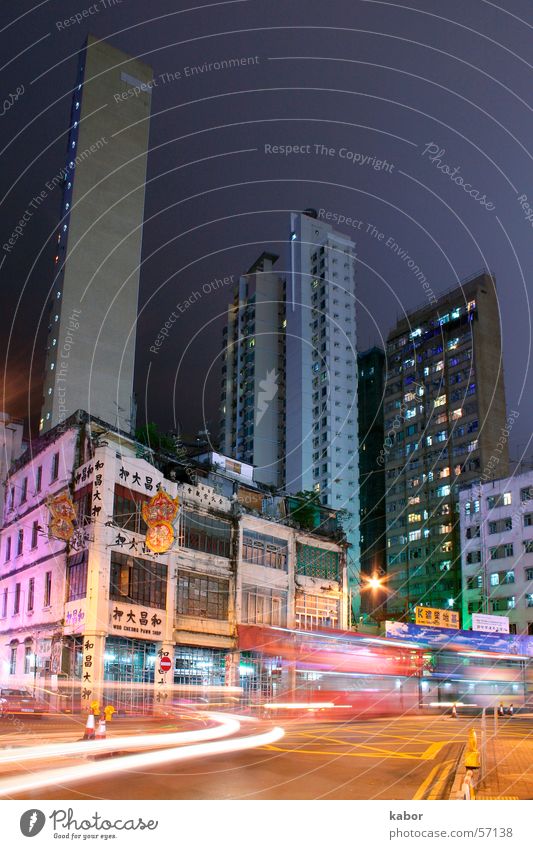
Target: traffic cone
<point>101,730</point>
<point>454,712</point>
<point>89,727</point>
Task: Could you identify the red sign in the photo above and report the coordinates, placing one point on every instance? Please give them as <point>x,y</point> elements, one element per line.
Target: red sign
<point>165,664</point>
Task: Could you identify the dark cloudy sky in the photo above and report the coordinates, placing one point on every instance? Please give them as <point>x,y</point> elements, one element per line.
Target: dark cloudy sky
<point>381,79</point>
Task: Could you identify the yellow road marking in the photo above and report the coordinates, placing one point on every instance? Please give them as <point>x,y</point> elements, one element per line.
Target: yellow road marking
<point>427,781</point>
<point>436,791</point>
<point>432,750</point>
<point>425,784</point>
<point>377,753</point>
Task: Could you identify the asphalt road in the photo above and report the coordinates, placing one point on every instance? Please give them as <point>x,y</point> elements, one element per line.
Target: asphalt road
<point>400,758</point>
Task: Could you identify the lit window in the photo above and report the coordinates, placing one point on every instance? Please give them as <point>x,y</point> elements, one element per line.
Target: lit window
<point>440,400</point>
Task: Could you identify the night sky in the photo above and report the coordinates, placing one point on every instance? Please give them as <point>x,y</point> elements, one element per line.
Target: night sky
<point>381,80</point>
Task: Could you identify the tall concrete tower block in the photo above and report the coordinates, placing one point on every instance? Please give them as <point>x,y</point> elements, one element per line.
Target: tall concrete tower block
<point>94,300</point>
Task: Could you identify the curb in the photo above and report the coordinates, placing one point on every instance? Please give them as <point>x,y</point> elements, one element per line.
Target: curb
<point>460,772</point>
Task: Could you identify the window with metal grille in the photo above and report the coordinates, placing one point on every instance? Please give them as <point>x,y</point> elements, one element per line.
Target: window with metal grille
<point>83,505</point>
<point>263,606</point>
<point>137,581</point>
<point>317,562</point>
<point>127,507</point>
<point>202,595</point>
<point>31,593</point>
<point>205,533</point>
<point>316,611</point>
<point>264,550</point>
<point>199,666</point>
<point>77,576</point>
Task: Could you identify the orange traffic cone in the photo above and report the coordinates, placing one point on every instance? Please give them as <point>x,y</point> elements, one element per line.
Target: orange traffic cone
<point>454,712</point>
<point>89,727</point>
<point>101,730</point>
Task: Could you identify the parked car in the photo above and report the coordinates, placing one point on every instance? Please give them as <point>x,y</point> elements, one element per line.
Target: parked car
<point>19,700</point>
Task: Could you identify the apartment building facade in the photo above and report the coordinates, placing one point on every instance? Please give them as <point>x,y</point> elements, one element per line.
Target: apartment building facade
<point>497,551</point>
<point>444,413</point>
<point>102,609</point>
<point>252,424</point>
<point>310,424</point>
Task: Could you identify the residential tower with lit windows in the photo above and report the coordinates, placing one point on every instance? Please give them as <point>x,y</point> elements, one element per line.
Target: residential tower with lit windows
<point>304,416</point>
<point>444,411</point>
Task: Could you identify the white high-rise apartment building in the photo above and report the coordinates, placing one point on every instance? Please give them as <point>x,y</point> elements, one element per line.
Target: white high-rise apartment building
<point>497,550</point>
<point>317,332</point>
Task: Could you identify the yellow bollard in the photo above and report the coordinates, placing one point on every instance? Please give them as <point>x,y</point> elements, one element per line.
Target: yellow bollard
<point>95,708</point>
<point>109,710</point>
<point>472,757</point>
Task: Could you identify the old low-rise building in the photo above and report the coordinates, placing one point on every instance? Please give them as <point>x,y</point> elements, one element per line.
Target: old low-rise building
<point>107,614</point>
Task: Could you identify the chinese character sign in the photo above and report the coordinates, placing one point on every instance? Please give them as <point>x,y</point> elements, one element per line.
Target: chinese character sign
<point>159,513</point>
<point>436,617</point>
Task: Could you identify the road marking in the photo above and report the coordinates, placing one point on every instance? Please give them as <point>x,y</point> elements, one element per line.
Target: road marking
<point>441,783</point>
<point>377,753</point>
<point>420,793</point>
<point>425,784</point>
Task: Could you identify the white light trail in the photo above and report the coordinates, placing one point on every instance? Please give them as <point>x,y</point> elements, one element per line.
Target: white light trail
<point>227,725</point>
<point>146,760</point>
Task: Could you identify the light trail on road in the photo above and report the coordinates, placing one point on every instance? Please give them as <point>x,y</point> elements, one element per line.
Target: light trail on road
<point>227,725</point>
<point>68,775</point>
